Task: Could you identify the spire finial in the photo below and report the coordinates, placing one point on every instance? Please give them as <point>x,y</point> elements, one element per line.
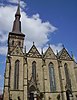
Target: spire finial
<point>57,52</point>
<point>49,44</point>
<point>19,2</point>
<point>33,42</point>
<point>72,55</point>
<point>17,22</point>
<point>18,10</point>
<point>42,51</point>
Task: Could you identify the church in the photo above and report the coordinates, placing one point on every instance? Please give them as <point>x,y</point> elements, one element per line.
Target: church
<point>37,76</point>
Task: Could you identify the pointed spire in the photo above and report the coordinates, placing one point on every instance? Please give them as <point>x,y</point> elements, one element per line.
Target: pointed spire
<point>18,10</point>
<point>17,22</point>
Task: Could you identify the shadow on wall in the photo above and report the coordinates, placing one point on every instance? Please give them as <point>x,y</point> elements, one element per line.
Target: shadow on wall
<point>1,97</point>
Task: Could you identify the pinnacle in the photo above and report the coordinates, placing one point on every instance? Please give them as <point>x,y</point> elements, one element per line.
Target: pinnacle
<point>18,11</point>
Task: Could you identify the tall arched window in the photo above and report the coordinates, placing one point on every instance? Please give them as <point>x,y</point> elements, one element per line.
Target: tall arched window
<point>68,81</point>
<point>66,71</point>
<point>34,70</point>
<point>52,78</point>
<point>16,75</point>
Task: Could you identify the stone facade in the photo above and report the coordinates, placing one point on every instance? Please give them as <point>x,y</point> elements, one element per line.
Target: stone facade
<point>27,75</point>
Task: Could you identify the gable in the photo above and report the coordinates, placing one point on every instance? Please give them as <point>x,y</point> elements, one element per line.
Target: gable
<point>50,54</point>
<point>33,52</point>
<point>64,55</point>
<point>17,51</point>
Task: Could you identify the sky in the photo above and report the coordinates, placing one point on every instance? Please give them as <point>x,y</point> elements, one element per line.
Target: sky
<point>44,22</point>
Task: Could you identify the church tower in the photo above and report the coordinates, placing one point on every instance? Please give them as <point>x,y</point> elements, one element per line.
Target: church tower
<point>16,37</point>
<point>13,78</point>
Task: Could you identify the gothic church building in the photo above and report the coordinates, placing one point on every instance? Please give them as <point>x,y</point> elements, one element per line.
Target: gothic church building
<point>35,76</point>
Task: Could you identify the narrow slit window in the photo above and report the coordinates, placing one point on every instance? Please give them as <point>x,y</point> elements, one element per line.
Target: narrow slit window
<point>34,70</point>
<point>68,80</point>
<point>16,75</point>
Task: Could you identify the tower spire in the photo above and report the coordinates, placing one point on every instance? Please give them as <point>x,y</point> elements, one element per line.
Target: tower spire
<point>18,10</point>
<point>19,2</point>
<point>17,22</point>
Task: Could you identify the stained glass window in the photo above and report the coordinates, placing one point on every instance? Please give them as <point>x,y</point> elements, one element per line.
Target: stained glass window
<point>68,80</point>
<point>52,78</point>
<point>34,70</point>
<point>66,71</point>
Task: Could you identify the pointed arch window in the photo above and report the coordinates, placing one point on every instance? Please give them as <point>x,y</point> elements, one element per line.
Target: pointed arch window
<point>52,78</point>
<point>68,81</point>
<point>16,75</point>
<point>34,70</point>
<point>66,71</point>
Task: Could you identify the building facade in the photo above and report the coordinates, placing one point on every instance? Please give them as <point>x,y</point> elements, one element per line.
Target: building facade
<point>35,76</point>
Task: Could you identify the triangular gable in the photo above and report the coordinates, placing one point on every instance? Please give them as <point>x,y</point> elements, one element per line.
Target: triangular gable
<point>64,55</point>
<point>49,53</point>
<point>17,51</point>
<point>33,52</point>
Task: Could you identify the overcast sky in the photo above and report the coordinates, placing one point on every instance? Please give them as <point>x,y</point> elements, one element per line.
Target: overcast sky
<point>45,22</point>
